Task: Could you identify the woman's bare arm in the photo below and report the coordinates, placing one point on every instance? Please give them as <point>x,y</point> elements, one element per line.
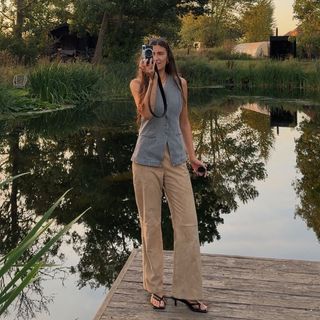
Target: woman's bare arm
<point>186,129</point>
<point>151,93</point>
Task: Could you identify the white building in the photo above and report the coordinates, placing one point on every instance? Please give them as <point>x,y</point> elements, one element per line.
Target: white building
<point>254,49</point>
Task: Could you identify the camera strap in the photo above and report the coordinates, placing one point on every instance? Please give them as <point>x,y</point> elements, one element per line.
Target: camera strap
<point>163,98</point>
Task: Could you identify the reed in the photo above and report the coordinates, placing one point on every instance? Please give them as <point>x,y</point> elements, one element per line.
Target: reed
<point>217,53</point>
<point>286,75</point>
<point>81,82</point>
<point>197,72</point>
<point>117,79</point>
<point>25,273</point>
<point>66,83</point>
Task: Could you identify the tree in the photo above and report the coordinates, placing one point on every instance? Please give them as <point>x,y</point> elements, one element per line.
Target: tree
<point>257,21</point>
<point>307,186</point>
<point>122,24</point>
<point>25,24</point>
<point>307,12</point>
<point>220,22</point>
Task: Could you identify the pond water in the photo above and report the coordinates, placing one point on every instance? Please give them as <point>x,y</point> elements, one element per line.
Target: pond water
<point>261,197</point>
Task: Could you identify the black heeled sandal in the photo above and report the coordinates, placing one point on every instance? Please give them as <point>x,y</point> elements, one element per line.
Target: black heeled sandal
<point>193,306</point>
<point>159,299</point>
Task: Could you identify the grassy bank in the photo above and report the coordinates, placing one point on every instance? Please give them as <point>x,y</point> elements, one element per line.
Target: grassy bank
<point>17,101</point>
<point>286,75</point>
<point>82,82</point>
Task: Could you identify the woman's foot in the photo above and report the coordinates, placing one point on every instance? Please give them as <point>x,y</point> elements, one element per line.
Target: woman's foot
<point>194,305</point>
<point>198,306</point>
<point>157,302</point>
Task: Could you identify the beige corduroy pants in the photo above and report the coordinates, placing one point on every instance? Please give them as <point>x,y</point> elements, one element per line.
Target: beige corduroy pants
<point>149,183</point>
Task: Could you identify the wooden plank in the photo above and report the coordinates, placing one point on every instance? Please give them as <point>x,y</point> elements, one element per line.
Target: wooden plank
<point>214,273</point>
<point>251,286</point>
<point>234,288</point>
<point>298,266</point>
<point>115,286</point>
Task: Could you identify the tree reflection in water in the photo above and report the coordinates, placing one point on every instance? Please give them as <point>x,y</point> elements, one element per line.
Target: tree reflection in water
<point>16,222</point>
<point>308,162</point>
<point>90,150</point>
<point>235,154</point>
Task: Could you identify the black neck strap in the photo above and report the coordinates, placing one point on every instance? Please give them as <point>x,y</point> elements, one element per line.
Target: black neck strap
<point>163,98</point>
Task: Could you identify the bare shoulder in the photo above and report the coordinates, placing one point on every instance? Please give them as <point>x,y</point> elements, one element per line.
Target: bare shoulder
<point>184,85</point>
<point>135,84</point>
<point>183,81</point>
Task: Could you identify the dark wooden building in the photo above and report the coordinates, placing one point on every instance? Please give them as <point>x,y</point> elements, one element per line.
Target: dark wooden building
<point>282,47</point>
<point>69,45</point>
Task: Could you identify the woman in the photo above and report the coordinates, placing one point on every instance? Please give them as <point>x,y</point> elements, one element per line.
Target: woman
<point>159,164</point>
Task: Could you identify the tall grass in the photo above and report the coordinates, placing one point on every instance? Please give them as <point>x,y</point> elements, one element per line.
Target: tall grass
<point>66,83</point>
<point>117,78</point>
<point>284,75</point>
<point>81,82</point>
<point>217,53</point>
<point>9,67</point>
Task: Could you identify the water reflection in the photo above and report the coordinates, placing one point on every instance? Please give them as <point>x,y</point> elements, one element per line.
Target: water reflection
<point>89,150</point>
<point>307,186</point>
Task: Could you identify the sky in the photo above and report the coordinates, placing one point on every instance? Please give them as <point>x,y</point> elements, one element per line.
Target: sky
<point>283,13</point>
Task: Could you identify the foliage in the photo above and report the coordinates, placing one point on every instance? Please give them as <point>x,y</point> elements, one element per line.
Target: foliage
<point>217,53</point>
<point>307,12</point>
<point>17,101</point>
<point>307,186</point>
<point>197,72</point>
<point>7,101</point>
<point>25,25</point>
<point>25,52</point>
<point>284,75</point>
<point>66,83</point>
<point>128,22</point>
<point>220,23</point>
<point>24,274</point>
<point>257,21</point>
<point>117,78</point>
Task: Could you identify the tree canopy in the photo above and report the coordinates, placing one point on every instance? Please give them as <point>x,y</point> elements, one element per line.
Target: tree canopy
<point>229,20</point>
<point>257,21</point>
<point>121,24</point>
<point>307,12</point>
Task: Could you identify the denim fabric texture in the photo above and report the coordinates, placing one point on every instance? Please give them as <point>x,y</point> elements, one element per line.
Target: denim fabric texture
<point>156,133</point>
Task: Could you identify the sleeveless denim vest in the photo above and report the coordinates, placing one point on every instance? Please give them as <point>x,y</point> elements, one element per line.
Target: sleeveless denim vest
<point>156,133</point>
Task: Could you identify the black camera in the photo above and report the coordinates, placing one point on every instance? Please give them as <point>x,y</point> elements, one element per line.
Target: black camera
<point>147,52</point>
<point>201,171</point>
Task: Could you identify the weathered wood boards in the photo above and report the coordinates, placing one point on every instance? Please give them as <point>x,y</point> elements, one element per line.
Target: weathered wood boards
<point>234,288</point>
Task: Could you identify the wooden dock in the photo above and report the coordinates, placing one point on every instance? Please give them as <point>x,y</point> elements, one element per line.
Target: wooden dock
<point>234,288</point>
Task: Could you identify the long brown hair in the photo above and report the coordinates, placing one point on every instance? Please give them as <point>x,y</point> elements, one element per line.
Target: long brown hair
<point>170,69</point>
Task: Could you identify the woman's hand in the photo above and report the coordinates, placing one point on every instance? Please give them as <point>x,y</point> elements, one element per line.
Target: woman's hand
<point>147,67</point>
<point>196,164</point>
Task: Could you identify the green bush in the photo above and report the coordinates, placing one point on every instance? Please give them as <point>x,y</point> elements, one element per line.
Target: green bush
<point>24,52</point>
